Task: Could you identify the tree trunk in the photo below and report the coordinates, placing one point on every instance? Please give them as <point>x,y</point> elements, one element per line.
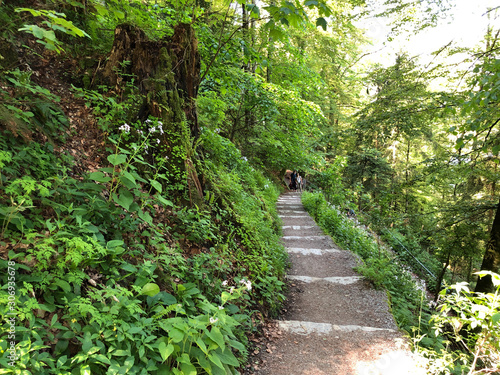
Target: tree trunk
<point>440,278</point>
<point>491,260</point>
<point>167,73</point>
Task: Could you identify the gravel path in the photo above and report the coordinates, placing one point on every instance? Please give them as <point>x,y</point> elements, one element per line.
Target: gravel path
<point>335,323</point>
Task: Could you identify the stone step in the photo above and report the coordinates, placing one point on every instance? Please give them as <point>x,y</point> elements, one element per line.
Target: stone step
<point>287,216</point>
<point>312,231</point>
<point>314,242</point>
<point>356,304</point>
<point>299,227</point>
<point>306,238</point>
<point>343,280</point>
<point>307,251</point>
<point>322,263</point>
<point>307,328</point>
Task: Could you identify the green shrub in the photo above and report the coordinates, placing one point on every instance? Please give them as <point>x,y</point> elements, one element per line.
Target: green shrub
<point>464,333</point>
<point>111,276</point>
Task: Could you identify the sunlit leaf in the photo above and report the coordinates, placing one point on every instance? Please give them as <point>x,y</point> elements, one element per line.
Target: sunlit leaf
<point>150,289</point>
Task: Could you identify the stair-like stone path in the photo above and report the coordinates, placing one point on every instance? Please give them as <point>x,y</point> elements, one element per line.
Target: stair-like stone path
<point>336,323</point>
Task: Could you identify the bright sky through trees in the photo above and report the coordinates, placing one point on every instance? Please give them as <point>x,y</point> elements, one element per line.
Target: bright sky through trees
<point>465,27</point>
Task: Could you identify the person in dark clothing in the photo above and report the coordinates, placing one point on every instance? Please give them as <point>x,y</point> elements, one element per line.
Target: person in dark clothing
<point>293,184</point>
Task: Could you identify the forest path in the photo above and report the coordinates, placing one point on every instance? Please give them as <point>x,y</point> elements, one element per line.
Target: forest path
<point>336,323</point>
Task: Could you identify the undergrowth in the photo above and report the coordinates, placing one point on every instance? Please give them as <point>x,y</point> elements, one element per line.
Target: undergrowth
<point>106,272</point>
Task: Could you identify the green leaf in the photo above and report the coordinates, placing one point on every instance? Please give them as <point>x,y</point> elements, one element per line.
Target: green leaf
<point>495,318</point>
<point>128,267</point>
<point>119,14</point>
<point>225,296</point>
<point>176,335</point>
<point>321,22</point>
<point>85,370</point>
<point>144,215</point>
<point>93,350</point>
<point>114,243</point>
<point>165,350</point>
<point>61,361</point>
<point>87,342</point>
<point>216,335</point>
<point>99,177</point>
<point>117,159</point>
<point>215,359</point>
<point>64,285</point>
<point>229,358</point>
<point>101,10</point>
<point>50,36</point>
<point>150,289</point>
<point>166,202</point>
<point>68,335</point>
<point>125,198</point>
<point>311,3</point>
<point>277,34</point>
<point>201,345</point>
<point>35,30</point>
<point>188,369</point>
<point>128,180</point>
<point>135,329</point>
<point>156,185</point>
<point>120,353</point>
<point>101,358</point>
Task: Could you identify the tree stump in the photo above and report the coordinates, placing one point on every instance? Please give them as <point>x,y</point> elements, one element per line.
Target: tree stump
<point>167,73</point>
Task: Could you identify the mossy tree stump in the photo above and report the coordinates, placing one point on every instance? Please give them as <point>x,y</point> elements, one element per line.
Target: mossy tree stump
<point>167,73</point>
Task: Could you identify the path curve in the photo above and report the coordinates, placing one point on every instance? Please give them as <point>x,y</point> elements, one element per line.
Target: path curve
<point>336,323</point>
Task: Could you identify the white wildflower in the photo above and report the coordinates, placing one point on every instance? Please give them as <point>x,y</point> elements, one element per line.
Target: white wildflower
<point>231,290</point>
<point>157,141</point>
<point>213,320</point>
<point>248,284</point>
<point>153,129</point>
<point>224,283</point>
<point>221,307</point>
<point>125,128</point>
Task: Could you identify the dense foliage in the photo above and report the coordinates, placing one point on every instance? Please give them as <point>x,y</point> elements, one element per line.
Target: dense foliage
<point>111,275</point>
<point>138,227</point>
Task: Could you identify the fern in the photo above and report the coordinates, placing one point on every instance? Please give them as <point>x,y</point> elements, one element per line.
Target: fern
<point>165,311</point>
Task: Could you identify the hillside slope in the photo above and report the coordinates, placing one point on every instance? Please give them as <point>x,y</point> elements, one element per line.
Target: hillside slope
<point>110,267</point>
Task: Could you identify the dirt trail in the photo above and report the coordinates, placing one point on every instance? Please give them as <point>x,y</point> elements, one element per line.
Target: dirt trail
<point>336,322</point>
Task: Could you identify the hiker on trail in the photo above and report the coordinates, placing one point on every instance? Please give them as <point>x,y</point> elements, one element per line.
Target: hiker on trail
<point>299,182</point>
<point>293,184</point>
